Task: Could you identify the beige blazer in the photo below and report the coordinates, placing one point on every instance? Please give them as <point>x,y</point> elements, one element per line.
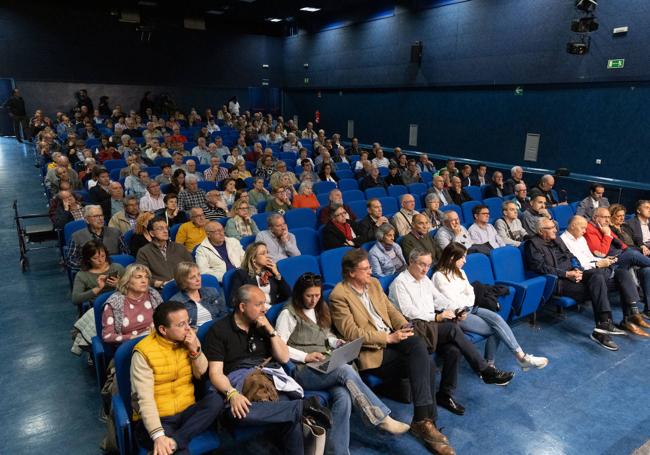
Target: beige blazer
<point>352,320</point>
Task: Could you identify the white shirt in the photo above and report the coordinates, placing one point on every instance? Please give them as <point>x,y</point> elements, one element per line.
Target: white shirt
<point>459,292</point>
<point>383,162</point>
<point>150,204</point>
<point>645,232</point>
<point>416,299</point>
<point>580,249</point>
<point>286,324</point>
<point>202,315</point>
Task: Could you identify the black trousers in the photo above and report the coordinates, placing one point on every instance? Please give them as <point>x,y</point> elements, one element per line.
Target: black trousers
<point>18,121</point>
<point>183,426</point>
<point>594,286</point>
<point>410,358</point>
<point>452,344</point>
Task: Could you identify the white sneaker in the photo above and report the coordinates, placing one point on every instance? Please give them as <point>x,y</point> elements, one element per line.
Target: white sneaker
<point>532,361</point>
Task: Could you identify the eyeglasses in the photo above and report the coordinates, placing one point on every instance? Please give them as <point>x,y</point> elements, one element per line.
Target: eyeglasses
<point>311,278</point>
<point>96,216</point>
<point>484,213</point>
<point>182,325</point>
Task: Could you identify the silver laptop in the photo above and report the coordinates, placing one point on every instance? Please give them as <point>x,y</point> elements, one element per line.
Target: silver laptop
<point>340,356</point>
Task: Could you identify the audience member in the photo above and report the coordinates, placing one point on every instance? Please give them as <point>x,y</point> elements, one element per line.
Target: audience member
<point>439,190</point>
<point>161,256</point>
<point>425,165</point>
<point>339,231</point>
<point>97,273</point>
<point>403,219</point>
<point>217,254</point>
<point>171,213</point>
<point>367,227</point>
<point>545,188</point>
<point>451,281</point>
<point>481,172</point>
<point>203,304</point>
<point>537,210</point>
<point>596,199</point>
<point>432,210</point>
<point>458,194</point>
<point>154,199</point>
<point>124,220</point>
<point>165,177</point>
<point>306,197</point>
<point>481,232</point>
<point>496,188</point>
<point>67,209</point>
<point>386,256</point>
<point>280,243</point>
<point>192,196</point>
<point>466,177</point>
<point>215,206</point>
<point>100,194</point>
<point>280,202</point>
<point>258,193</point>
<point>521,199</point>
<point>391,350</point>
<point>420,239</point>
<point>335,198</point>
<point>192,233</point>
<point>394,176</point>
<point>509,227</point>
<point>453,231</point>
<point>141,236</point>
<point>241,224</point>
<point>516,177</point>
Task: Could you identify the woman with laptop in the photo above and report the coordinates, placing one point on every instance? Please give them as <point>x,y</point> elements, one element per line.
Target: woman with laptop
<point>305,325</point>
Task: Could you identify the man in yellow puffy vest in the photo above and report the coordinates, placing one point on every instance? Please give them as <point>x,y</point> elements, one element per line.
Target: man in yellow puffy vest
<point>165,412</point>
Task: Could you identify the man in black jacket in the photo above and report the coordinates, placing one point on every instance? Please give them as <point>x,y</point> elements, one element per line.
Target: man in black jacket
<point>545,254</point>
<point>15,104</point>
<point>100,194</point>
<point>367,227</point>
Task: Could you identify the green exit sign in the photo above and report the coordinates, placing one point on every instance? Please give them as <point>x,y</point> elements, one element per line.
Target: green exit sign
<point>615,64</point>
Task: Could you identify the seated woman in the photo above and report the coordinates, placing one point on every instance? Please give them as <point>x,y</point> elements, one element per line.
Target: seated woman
<point>306,197</point>
<point>234,174</point>
<point>243,194</point>
<point>338,231</point>
<point>203,304</point>
<point>509,226</point>
<point>386,256</point>
<point>171,213</point>
<point>393,177</point>
<point>452,282</point>
<point>327,174</point>
<point>141,236</point>
<point>178,181</point>
<point>241,224</point>
<point>432,210</point>
<point>285,182</point>
<point>129,311</point>
<point>97,274</point>
<point>305,325</point>
<point>229,190</point>
<point>308,173</point>
<point>243,172</point>
<point>622,230</point>
<point>260,270</point>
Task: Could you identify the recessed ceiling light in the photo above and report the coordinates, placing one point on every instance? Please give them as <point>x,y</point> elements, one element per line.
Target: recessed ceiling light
<point>214,11</point>
<point>309,9</point>
<point>273,19</point>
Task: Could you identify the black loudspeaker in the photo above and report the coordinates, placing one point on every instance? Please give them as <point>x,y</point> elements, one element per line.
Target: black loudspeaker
<point>416,52</point>
<point>562,172</point>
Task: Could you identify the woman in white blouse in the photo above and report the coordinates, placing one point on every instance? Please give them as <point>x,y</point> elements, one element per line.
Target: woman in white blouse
<point>305,325</point>
<point>452,282</point>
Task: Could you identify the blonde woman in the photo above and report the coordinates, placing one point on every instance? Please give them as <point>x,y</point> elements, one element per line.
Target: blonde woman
<point>243,172</point>
<point>141,236</point>
<point>241,224</point>
<point>129,311</point>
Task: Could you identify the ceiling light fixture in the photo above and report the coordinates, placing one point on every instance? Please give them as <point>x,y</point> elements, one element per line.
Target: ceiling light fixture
<point>273,19</point>
<point>215,12</point>
<point>310,9</point>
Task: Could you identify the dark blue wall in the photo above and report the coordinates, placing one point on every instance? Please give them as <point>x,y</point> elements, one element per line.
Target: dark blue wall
<point>475,54</point>
<point>477,42</point>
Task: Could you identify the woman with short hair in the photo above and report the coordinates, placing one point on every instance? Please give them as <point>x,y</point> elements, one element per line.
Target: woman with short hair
<point>203,304</point>
<point>386,256</point>
<point>306,197</point>
<point>141,236</point>
<point>432,210</point>
<point>97,275</point>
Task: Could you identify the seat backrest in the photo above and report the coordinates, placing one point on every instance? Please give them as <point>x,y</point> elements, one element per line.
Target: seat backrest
<point>245,241</point>
<point>292,268</point>
<point>227,286</point>
<point>417,188</point>
<point>389,205</point>
<point>483,190</point>
<point>353,195</point>
<point>427,177</point>
<point>397,190</point>
<point>207,186</point>
<point>114,164</point>
<point>123,371</point>
<point>123,259</point>
<point>478,268</point>
<point>98,308</point>
<point>345,174</point>
<point>507,264</point>
<point>348,184</point>
<point>72,227</point>
<point>342,166</point>
<point>261,206</point>
<point>202,332</point>
<point>115,174</point>
<point>307,240</point>
<point>260,220</point>
<point>494,204</point>
<point>467,208</point>
<point>127,236</point>
<point>330,264</point>
<point>455,208</point>
<point>273,312</point>
<point>300,218</point>
<point>375,192</point>
<point>474,192</point>
<point>169,289</point>
<point>173,231</point>
<point>324,187</point>
<point>562,214</point>
<point>323,199</point>
<point>359,208</point>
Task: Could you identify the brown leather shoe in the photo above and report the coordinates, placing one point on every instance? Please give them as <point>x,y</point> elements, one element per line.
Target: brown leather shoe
<point>637,319</point>
<point>436,441</point>
<point>632,328</point>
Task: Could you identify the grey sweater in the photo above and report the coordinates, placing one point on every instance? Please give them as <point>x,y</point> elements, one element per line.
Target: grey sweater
<point>85,281</point>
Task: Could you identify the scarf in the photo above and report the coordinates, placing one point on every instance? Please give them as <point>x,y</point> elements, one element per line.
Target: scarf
<point>244,227</point>
<point>345,229</point>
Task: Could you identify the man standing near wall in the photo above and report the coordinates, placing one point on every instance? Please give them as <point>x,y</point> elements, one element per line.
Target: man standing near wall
<point>15,106</point>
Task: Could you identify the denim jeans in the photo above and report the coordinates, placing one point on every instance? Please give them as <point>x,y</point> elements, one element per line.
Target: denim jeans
<point>644,279</point>
<point>490,324</point>
<point>338,437</point>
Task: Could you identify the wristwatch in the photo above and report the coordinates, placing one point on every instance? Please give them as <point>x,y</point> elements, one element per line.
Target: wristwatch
<point>272,334</point>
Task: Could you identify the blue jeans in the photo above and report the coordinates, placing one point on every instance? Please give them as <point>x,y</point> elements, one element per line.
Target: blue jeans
<point>489,324</point>
<point>338,437</point>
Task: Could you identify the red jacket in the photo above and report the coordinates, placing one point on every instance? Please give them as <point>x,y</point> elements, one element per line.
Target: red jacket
<point>597,241</point>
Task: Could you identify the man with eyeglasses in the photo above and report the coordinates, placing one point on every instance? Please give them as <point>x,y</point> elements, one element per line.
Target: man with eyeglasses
<point>521,199</point>
<point>236,344</point>
<point>153,200</point>
<point>482,232</point>
<point>547,254</point>
<point>453,231</point>
<point>217,253</point>
<point>95,229</point>
<point>390,349</point>
<point>403,219</point>
<point>161,255</point>
<point>280,243</point>
<point>163,367</point>
<point>192,233</point>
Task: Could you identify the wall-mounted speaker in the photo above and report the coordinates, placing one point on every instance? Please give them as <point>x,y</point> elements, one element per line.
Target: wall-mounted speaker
<point>416,52</point>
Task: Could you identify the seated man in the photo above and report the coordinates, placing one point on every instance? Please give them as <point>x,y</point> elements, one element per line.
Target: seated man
<point>509,226</point>
<point>280,243</point>
<point>419,239</point>
<point>516,177</point>
<point>535,213</point>
<point>544,188</point>
<point>413,293</point>
<point>124,220</point>
<point>482,232</point>
<point>239,342</point>
<point>466,177</point>
<point>545,254</point>
<point>575,240</point>
<point>161,255</point>
<point>100,194</point>
<point>191,170</point>
<point>154,199</point>
<point>390,350</point>
<point>639,226</point>
<point>217,254</point>
<point>521,199</point>
<point>458,194</point>
<point>453,231</point>
<point>192,233</point>
<point>192,196</point>
<point>372,179</point>
<point>165,412</point>
<point>335,199</point>
<point>403,219</point>
<point>367,227</point>
<point>496,187</point>
<point>412,173</point>
<point>439,189</point>
<point>595,200</point>
<point>215,173</point>
<point>109,236</point>
<point>280,202</point>
<point>67,209</point>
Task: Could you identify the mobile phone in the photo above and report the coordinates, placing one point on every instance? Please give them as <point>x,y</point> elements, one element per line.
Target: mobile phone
<point>112,275</point>
<point>408,326</point>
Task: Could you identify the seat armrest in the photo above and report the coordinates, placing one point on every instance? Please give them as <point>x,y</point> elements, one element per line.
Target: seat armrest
<point>122,426</point>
